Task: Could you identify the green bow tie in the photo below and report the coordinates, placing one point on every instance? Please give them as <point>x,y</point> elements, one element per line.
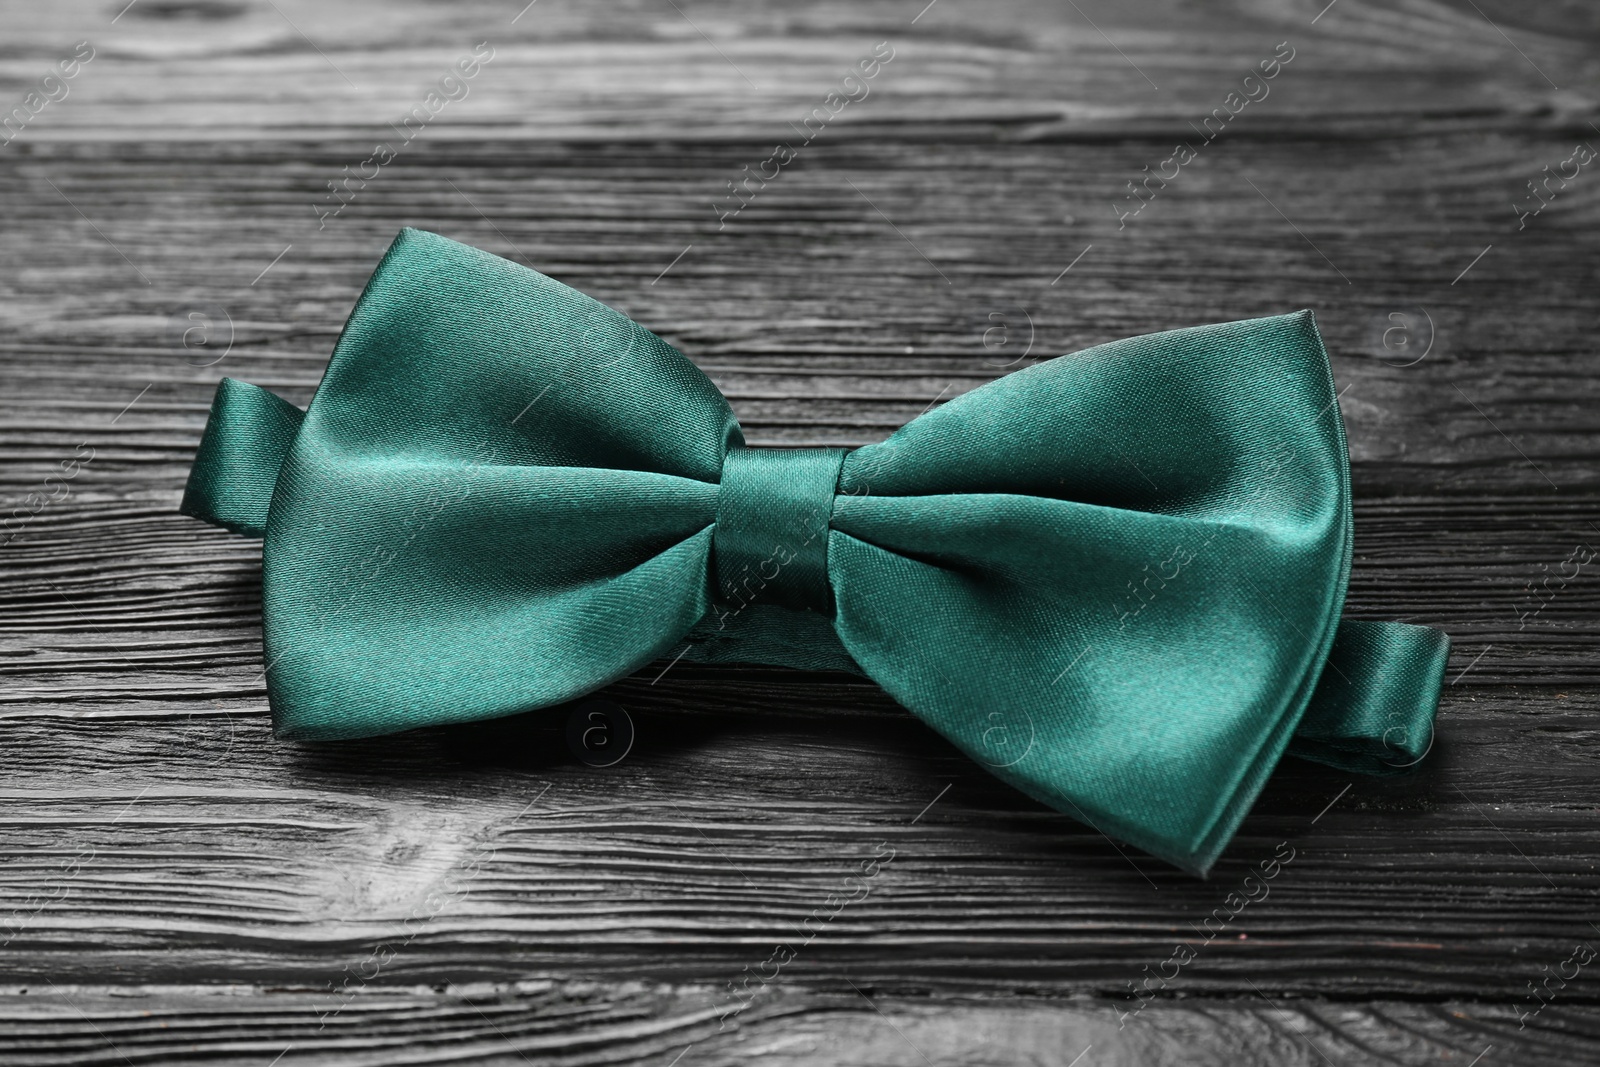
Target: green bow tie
<point>1114,578</point>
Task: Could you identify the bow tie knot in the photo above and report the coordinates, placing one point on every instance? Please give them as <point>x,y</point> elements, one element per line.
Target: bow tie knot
<point>771,540</point>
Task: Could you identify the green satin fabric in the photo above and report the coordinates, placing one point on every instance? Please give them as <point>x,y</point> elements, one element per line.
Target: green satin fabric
<point>1114,578</point>
<point>771,539</point>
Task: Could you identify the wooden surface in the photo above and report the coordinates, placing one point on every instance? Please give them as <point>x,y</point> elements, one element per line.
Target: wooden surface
<point>177,886</point>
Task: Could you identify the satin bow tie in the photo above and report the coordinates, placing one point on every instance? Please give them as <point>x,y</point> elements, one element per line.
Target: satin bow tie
<point>1114,579</point>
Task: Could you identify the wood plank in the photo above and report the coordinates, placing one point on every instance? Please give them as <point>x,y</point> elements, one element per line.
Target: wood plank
<point>578,1024</point>
<point>175,884</point>
<point>628,72</point>
<point>747,803</point>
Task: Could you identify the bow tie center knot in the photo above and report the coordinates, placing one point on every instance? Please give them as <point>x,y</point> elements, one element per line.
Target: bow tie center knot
<point>771,540</point>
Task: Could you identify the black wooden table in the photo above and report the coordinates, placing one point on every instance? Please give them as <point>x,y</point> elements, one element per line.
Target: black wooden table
<point>206,195</point>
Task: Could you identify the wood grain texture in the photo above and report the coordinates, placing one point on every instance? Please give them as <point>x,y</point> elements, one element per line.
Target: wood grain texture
<point>176,885</point>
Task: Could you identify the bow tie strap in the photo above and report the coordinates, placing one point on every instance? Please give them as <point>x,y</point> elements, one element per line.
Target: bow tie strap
<point>247,436</point>
<point>1373,709</point>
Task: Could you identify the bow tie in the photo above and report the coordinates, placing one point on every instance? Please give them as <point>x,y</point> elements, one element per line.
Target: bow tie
<point>1114,578</point>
